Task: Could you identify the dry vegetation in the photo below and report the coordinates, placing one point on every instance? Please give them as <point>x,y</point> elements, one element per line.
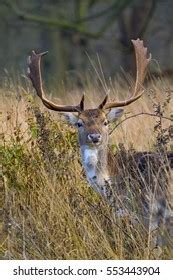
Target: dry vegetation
<point>48,209</point>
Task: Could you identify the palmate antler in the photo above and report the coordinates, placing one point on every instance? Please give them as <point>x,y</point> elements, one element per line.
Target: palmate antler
<point>34,73</point>
<point>141,66</point>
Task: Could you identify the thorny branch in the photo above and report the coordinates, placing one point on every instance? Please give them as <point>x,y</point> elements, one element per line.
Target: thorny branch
<point>139,114</point>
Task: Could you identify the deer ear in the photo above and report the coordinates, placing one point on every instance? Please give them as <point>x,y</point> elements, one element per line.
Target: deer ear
<point>71,118</point>
<point>114,114</point>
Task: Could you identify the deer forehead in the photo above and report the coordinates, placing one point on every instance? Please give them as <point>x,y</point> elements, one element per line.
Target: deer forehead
<point>92,116</point>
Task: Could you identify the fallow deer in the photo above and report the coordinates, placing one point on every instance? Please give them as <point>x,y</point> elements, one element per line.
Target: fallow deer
<point>93,134</point>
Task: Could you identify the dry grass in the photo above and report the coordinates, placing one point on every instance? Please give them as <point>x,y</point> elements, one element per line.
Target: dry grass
<point>48,209</point>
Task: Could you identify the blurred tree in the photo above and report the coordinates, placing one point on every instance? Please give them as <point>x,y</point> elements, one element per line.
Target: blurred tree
<point>71,23</point>
<point>133,24</point>
<point>68,27</point>
<point>74,19</point>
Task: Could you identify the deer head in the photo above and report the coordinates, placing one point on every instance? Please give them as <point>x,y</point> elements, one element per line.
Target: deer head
<point>92,124</point>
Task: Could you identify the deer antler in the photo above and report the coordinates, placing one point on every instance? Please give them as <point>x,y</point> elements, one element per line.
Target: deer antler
<point>34,73</point>
<point>141,66</point>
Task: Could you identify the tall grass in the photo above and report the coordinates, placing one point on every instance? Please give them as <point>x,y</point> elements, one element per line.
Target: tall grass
<point>48,210</point>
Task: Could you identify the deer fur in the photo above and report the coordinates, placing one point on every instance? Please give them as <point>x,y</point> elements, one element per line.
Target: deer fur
<point>106,173</point>
<point>102,169</point>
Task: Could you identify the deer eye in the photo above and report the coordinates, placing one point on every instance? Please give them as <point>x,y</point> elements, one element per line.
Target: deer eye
<point>105,122</point>
<point>79,123</point>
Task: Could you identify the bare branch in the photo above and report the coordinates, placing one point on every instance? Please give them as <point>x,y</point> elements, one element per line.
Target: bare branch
<point>139,114</point>
<point>119,6</point>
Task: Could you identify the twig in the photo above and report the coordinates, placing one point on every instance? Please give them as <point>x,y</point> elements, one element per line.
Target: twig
<point>104,215</point>
<point>139,114</point>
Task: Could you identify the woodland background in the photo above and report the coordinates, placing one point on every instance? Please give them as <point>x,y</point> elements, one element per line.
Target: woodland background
<point>77,31</point>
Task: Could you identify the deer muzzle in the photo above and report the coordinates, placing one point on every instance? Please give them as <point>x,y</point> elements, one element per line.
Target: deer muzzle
<point>95,138</point>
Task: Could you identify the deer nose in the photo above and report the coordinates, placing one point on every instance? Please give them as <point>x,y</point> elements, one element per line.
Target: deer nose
<point>94,137</point>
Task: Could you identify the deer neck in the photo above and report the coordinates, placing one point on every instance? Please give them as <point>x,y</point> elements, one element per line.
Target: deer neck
<point>95,162</point>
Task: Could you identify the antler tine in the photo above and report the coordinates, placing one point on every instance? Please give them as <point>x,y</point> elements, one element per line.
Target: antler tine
<point>101,106</point>
<point>141,66</point>
<point>34,73</point>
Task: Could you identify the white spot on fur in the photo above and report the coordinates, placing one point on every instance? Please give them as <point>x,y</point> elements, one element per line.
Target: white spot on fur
<point>92,174</point>
<point>98,178</point>
<point>90,160</point>
<point>28,71</point>
<point>121,213</point>
<point>90,157</point>
<point>29,60</point>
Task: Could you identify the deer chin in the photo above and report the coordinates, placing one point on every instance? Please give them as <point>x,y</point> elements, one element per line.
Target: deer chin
<point>93,145</point>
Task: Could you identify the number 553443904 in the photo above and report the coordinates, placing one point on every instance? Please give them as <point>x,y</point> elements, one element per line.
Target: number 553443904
<point>139,270</point>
